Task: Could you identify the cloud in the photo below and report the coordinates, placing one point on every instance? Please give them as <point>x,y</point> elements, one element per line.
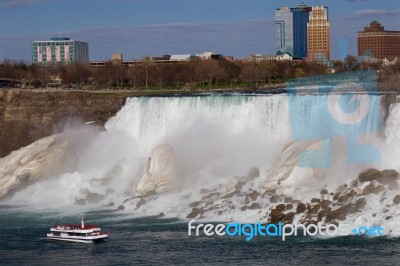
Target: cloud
<point>20,3</point>
<point>376,13</point>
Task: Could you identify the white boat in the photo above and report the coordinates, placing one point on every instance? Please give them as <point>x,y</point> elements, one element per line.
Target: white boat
<point>83,233</point>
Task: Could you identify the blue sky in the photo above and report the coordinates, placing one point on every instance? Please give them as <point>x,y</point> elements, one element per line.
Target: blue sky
<point>140,28</point>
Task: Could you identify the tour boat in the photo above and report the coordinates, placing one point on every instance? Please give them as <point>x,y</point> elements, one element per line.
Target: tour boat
<point>83,233</point>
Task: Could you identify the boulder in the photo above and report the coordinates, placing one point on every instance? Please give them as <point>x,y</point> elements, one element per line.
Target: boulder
<point>396,200</point>
<point>301,207</point>
<point>195,212</point>
<point>313,209</point>
<point>360,203</point>
<point>140,203</point>
<point>80,202</point>
<point>276,216</point>
<point>372,189</point>
<point>94,197</point>
<point>253,206</point>
<point>324,191</point>
<point>253,173</point>
<point>274,198</point>
<point>369,175</point>
<point>280,207</point>
<point>288,219</point>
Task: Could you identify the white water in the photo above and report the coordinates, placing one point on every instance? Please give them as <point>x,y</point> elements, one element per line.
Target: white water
<point>215,139</point>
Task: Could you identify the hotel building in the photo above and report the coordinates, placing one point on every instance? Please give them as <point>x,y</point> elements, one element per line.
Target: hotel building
<point>379,43</point>
<point>59,50</point>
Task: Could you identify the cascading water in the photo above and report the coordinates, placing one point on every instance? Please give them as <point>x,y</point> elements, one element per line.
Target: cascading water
<point>215,138</point>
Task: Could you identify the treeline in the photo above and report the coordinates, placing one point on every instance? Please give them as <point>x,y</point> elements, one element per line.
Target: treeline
<point>149,74</point>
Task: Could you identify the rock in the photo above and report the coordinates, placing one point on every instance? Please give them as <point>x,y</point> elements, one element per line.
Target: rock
<point>324,191</point>
<point>94,197</point>
<point>344,199</point>
<point>253,206</point>
<point>194,213</point>
<point>396,200</point>
<point>160,173</point>
<point>253,173</point>
<point>301,207</point>
<point>276,216</point>
<point>288,200</point>
<point>32,163</point>
<point>239,185</point>
<point>369,175</point>
<point>161,214</point>
<point>80,202</point>
<point>253,195</point>
<point>337,195</point>
<point>280,207</point>
<point>121,208</point>
<point>274,198</point>
<point>315,200</point>
<point>389,177</point>
<point>288,219</point>
<point>289,206</point>
<point>322,214</point>
<point>325,204</point>
<point>342,188</point>
<point>140,203</point>
<point>211,195</point>
<point>360,203</point>
<point>313,209</point>
<point>372,189</point>
<point>340,213</point>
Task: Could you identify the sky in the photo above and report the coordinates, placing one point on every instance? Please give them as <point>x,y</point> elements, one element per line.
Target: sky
<point>139,28</point>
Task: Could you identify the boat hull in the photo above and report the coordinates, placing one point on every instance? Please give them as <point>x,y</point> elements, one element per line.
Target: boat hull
<point>78,240</point>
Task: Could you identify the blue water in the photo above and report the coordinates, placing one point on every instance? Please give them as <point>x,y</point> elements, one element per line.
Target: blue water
<point>151,240</point>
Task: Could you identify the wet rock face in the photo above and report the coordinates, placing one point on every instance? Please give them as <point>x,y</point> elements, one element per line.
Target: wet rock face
<point>31,164</point>
<point>27,116</point>
<point>160,173</point>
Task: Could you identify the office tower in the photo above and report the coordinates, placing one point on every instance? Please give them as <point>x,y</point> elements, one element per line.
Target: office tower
<point>318,35</point>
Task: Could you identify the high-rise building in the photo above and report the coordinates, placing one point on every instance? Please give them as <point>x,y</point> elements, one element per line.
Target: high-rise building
<point>301,16</point>
<point>291,30</point>
<point>318,35</point>
<point>59,50</point>
<point>379,43</point>
<point>284,31</point>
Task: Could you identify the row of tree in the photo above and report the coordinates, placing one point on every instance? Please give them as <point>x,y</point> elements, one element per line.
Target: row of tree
<point>149,74</point>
